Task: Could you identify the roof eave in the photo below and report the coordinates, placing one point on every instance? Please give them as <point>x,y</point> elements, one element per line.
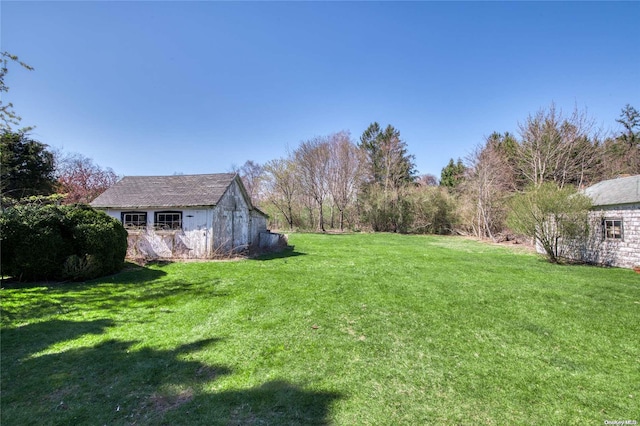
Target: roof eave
<point>199,206</point>
<point>630,203</point>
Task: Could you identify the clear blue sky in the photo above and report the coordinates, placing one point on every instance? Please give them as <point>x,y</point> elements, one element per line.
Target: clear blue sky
<point>152,88</point>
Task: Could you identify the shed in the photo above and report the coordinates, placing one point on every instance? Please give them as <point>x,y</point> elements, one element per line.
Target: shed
<point>184,216</point>
<point>614,225</point>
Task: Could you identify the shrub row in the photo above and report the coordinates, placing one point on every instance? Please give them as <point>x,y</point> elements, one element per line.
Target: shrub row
<point>42,242</point>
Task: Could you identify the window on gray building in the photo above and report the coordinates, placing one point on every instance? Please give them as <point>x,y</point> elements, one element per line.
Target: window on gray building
<point>612,229</point>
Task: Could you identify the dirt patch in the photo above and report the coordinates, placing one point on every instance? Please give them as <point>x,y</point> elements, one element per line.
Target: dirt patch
<point>516,242</point>
<point>208,373</point>
<point>60,395</point>
<point>163,403</point>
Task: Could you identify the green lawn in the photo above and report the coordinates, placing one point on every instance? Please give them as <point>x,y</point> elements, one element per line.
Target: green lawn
<point>346,329</point>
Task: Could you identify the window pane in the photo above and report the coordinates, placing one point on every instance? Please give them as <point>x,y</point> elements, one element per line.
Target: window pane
<point>612,229</point>
<point>134,220</point>
<point>168,221</point>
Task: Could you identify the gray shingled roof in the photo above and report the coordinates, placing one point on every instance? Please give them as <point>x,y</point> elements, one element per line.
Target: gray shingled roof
<point>165,191</point>
<point>624,190</point>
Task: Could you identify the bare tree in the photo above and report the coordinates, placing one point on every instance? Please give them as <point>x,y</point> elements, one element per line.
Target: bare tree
<point>489,179</point>
<point>252,175</point>
<point>282,187</point>
<point>312,162</point>
<point>345,172</point>
<point>427,180</point>
<point>556,148</point>
<point>7,115</point>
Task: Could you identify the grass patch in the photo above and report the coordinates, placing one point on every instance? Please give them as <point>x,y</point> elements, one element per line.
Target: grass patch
<point>347,329</point>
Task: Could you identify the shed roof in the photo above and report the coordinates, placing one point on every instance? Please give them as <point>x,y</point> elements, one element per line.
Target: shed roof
<point>166,191</point>
<point>624,190</point>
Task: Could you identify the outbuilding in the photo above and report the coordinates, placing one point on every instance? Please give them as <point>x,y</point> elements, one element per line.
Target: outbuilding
<point>614,225</point>
<point>185,216</point>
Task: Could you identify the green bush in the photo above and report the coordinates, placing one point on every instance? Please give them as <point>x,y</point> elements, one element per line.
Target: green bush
<point>552,216</point>
<point>60,242</point>
<point>77,268</point>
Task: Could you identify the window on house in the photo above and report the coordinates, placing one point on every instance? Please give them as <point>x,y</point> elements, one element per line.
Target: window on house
<point>612,229</point>
<point>168,220</point>
<point>134,220</point>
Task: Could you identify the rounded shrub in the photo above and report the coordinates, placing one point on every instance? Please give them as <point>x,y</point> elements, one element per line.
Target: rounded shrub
<point>96,234</point>
<point>60,242</point>
<point>33,243</point>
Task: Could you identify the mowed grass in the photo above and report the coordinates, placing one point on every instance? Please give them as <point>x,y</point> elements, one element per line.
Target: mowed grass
<point>372,329</point>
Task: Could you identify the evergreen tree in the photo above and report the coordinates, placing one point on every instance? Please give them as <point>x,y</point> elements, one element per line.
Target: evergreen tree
<point>27,167</point>
<point>630,120</point>
<point>389,168</point>
<point>452,174</point>
<point>388,161</point>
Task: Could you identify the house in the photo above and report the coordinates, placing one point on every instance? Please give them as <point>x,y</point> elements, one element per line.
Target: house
<point>614,225</point>
<point>185,216</point>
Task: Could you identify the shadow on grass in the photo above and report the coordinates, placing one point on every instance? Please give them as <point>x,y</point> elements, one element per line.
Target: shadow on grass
<point>30,339</point>
<point>135,287</point>
<point>290,252</point>
<point>276,402</point>
<point>130,273</point>
<point>116,382</point>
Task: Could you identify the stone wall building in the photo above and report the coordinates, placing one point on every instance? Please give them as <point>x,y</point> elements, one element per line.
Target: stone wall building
<point>614,225</point>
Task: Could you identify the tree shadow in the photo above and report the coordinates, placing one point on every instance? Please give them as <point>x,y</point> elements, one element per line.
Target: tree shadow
<point>118,382</point>
<point>277,402</point>
<point>21,342</point>
<point>138,287</point>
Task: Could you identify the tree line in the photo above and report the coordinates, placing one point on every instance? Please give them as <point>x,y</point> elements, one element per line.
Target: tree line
<point>567,151</point>
<point>336,182</point>
<point>29,168</point>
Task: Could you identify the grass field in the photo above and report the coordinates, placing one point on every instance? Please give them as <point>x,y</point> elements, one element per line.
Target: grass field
<point>346,329</point>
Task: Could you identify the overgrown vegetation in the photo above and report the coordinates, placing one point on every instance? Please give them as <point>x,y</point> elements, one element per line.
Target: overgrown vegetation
<point>372,184</point>
<point>47,242</point>
<point>345,330</point>
<point>566,150</point>
<point>550,216</point>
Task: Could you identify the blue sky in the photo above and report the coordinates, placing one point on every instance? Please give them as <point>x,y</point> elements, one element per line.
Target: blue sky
<point>153,88</point>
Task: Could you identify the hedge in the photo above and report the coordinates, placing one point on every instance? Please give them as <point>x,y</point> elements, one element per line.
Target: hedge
<point>49,242</point>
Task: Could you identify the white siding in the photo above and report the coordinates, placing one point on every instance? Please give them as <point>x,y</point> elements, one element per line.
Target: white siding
<point>196,226</point>
<point>191,242</point>
<point>206,232</point>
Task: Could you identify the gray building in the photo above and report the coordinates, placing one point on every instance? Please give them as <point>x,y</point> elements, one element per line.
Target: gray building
<point>184,216</point>
<point>614,225</point>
